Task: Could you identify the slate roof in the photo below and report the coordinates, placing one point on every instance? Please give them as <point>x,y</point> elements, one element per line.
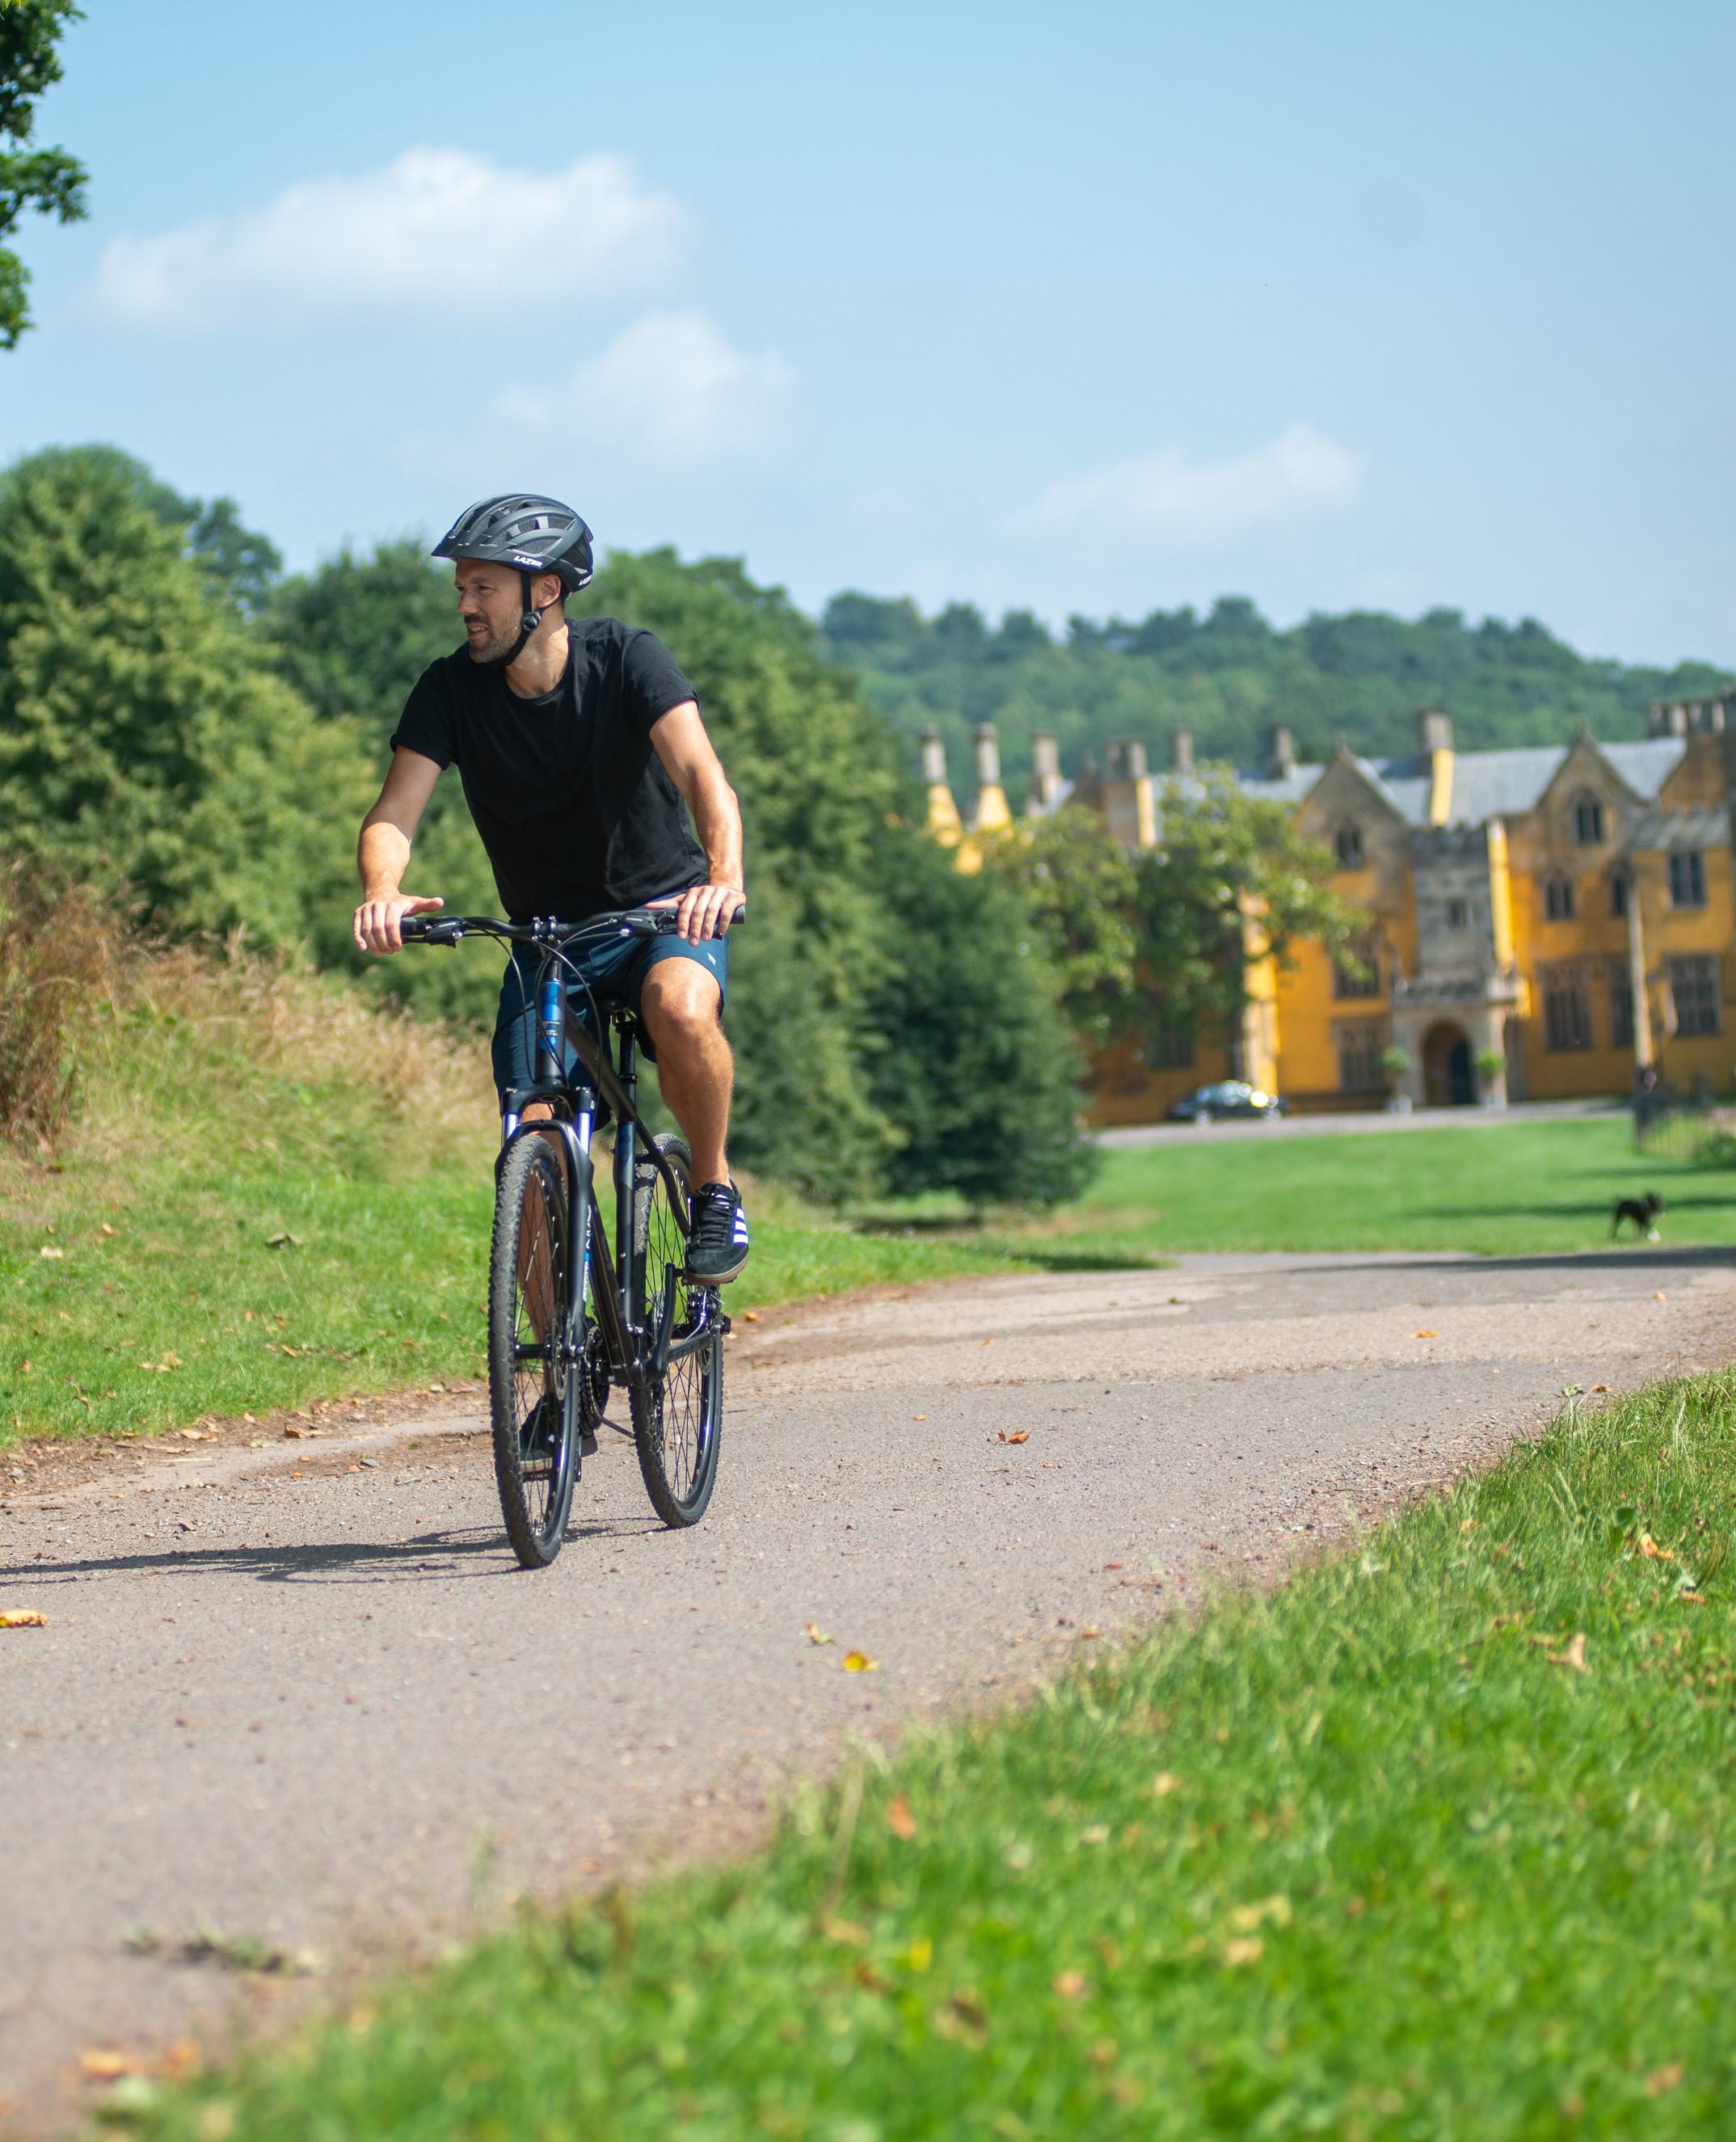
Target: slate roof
<point>1486,784</point>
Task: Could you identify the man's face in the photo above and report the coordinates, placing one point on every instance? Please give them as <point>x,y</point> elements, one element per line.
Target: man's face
<point>490,602</point>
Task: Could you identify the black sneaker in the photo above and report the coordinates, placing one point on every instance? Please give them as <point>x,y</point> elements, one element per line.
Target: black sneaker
<point>717,1246</point>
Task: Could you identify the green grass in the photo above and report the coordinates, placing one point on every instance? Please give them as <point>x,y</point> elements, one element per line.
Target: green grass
<point>1366,1856</point>
<point>1517,1189</point>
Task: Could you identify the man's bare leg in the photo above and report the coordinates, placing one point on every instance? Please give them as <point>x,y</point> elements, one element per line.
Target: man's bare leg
<point>679,1003</point>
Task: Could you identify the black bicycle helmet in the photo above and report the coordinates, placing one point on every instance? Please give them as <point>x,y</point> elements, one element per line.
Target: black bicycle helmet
<point>536,534</point>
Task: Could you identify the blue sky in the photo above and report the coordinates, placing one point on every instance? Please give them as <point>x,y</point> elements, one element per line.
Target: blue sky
<point>1092,309</point>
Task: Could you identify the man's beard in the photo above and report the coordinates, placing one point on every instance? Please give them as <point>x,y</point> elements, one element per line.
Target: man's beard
<point>496,647</point>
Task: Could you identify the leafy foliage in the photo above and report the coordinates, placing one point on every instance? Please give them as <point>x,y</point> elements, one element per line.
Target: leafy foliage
<point>144,737</point>
<point>980,1070</point>
<point>1161,940</point>
<point>1227,674</point>
<point>48,180</point>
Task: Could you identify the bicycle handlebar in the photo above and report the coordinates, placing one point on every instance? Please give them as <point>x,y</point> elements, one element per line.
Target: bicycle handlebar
<point>544,929</point>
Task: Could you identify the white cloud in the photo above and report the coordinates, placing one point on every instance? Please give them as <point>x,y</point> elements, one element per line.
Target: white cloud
<point>437,230</point>
<point>1166,502</point>
<point>669,391</point>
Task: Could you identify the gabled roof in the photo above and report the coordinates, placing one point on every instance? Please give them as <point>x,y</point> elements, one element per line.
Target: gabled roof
<point>1486,784</point>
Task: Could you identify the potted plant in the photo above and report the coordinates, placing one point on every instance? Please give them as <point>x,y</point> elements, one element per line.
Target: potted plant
<point>1491,1066</point>
<point>1394,1062</point>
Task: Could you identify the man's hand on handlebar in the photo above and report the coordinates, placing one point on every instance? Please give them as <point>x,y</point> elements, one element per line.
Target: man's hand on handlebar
<point>376,926</point>
<point>705,910</point>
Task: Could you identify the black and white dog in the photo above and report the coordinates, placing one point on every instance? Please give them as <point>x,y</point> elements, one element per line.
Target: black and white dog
<point>1643,1212</point>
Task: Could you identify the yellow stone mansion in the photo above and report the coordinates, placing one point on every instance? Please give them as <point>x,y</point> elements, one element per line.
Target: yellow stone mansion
<point>1543,923</point>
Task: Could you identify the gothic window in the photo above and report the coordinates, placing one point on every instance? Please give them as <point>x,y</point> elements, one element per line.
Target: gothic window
<point>1360,1042</point>
<point>1620,985</point>
<point>1688,882</point>
<point>1457,914</point>
<point>1558,903</point>
<point>1620,885</point>
<point>1566,1008</point>
<point>1170,1049</point>
<point>1694,991</point>
<point>1358,974</point>
<point>1348,846</point>
<point>1588,821</point>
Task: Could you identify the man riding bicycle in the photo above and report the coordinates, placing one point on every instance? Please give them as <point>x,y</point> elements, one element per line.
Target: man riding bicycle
<point>582,754</point>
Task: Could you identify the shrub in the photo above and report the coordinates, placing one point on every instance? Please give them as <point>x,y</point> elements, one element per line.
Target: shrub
<point>62,957</point>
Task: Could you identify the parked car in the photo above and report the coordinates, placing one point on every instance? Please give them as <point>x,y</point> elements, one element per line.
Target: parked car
<point>1229,1096</point>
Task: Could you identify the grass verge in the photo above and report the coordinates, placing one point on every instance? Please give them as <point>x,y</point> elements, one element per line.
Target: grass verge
<point>276,1193</point>
<point>1435,1839</point>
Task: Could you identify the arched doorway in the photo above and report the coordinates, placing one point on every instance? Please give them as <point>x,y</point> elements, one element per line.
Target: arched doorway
<point>1446,1080</point>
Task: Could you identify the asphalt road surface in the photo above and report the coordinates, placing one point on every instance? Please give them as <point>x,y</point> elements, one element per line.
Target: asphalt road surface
<point>302,1696</point>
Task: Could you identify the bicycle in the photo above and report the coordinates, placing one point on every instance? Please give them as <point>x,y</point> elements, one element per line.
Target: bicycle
<point>568,1321</point>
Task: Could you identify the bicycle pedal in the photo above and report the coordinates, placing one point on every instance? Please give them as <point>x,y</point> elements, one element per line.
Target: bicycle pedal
<point>725,1327</point>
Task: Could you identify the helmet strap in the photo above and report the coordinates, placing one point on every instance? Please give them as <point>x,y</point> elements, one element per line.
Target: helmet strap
<point>529,621</point>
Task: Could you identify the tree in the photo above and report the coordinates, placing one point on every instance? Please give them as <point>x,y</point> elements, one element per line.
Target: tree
<point>1081,889</point>
<point>977,1069</point>
<point>48,180</point>
<point>145,742</point>
<point>1232,881</point>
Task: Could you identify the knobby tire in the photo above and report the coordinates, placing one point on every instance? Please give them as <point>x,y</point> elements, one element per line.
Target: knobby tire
<point>678,1416</point>
<point>534,1403</point>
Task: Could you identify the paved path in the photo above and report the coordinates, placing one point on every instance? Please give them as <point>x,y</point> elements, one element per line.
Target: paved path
<point>305,1699</point>
<point>1353,1123</point>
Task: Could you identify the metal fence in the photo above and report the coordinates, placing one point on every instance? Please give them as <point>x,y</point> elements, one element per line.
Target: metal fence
<point>1676,1126</point>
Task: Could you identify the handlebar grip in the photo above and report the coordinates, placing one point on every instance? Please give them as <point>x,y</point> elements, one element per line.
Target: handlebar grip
<point>429,930</point>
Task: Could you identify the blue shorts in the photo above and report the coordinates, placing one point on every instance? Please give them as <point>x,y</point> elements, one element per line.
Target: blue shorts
<point>616,970</point>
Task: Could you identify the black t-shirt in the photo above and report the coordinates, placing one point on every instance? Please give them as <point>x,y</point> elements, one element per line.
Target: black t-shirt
<point>576,810</point>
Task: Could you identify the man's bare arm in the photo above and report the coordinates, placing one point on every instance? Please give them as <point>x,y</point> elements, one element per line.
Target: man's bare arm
<point>382,853</point>
<point>696,770</point>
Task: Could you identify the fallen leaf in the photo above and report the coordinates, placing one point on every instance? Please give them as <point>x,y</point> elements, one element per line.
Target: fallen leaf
<point>103,2063</point>
<point>847,1932</point>
<point>860,1662</point>
<point>1656,1297</point>
<point>293,1433</point>
<point>1469,1525</point>
<point>1165,1783</point>
<point>1652,1552</point>
<point>283,1240</point>
<point>1245,1949</point>
<point>1090,1633</point>
<point>1018,1435</point>
<point>106,1229</point>
<point>1572,1656</point>
<point>900,1820</point>
<point>1111,1565</point>
<point>988,1341</point>
<point>1668,2077</point>
<point>1599,1387</point>
<point>815,1634</point>
<point>1071,1985</point>
<point>918,1416</point>
<point>1095,1832</point>
<point>44,1252</point>
<point>192,1435</point>
<point>1692,1598</point>
<point>23,1617</point>
<point>750,1316</point>
<point>1425,1335</point>
<point>1246,1917</point>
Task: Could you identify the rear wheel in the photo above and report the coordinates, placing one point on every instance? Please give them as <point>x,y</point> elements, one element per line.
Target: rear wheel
<point>534,1396</point>
<point>678,1416</point>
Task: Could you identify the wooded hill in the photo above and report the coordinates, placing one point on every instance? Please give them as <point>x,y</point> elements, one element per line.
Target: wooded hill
<point>1226,675</point>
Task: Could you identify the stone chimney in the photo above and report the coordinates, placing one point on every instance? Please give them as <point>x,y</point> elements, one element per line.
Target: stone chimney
<point>1046,782</point>
<point>1280,751</point>
<point>990,813</point>
<point>1434,740</point>
<point>1130,801</point>
<point>943,822</point>
<point>1678,719</point>
<point>1434,730</point>
<point>1181,757</point>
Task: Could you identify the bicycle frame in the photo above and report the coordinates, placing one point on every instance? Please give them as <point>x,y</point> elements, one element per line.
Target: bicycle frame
<point>635,1354</point>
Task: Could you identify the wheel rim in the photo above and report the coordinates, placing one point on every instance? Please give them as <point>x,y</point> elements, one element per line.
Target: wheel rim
<point>682,1404</point>
<point>538,1380</point>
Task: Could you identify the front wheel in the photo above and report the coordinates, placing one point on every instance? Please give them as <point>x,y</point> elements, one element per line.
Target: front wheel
<point>677,1415</point>
<point>534,1393</point>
